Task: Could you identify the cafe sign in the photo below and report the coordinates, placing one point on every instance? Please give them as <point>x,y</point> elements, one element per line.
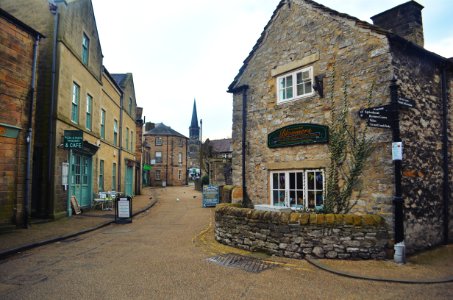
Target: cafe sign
<point>73,139</point>
<point>298,134</point>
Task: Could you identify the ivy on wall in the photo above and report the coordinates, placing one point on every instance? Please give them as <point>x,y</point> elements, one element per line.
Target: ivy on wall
<point>349,148</point>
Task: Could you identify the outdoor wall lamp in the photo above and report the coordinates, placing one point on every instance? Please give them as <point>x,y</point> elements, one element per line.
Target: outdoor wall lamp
<point>318,86</point>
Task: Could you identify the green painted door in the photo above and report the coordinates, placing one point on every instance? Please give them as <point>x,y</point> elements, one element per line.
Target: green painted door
<point>129,180</point>
<point>81,178</point>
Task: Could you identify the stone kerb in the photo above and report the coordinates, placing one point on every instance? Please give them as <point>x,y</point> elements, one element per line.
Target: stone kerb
<point>296,235</point>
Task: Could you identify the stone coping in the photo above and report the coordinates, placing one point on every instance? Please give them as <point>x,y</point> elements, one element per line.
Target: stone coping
<point>295,218</point>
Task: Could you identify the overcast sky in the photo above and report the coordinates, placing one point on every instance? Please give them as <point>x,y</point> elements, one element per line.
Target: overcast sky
<point>184,49</point>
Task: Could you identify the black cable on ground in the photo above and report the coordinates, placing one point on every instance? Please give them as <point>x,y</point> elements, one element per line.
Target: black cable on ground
<point>323,267</point>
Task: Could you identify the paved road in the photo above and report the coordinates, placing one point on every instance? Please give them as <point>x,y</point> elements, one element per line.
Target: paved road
<point>164,254</point>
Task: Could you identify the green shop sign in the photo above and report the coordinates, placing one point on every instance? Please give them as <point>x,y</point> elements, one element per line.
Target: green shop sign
<point>147,167</point>
<point>298,134</point>
<point>73,139</point>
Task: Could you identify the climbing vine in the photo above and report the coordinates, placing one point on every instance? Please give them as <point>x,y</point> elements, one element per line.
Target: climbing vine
<point>349,149</point>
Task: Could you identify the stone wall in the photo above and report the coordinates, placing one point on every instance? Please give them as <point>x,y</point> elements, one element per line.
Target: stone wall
<point>421,133</point>
<point>296,235</point>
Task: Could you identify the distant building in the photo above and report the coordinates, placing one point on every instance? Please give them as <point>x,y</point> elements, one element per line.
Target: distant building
<point>194,140</point>
<point>218,161</point>
<point>17,117</point>
<point>168,150</point>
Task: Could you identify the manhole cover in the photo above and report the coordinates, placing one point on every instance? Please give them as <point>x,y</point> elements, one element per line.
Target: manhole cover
<point>246,263</point>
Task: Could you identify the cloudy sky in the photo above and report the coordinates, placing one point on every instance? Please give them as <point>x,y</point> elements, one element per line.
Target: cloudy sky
<point>184,49</point>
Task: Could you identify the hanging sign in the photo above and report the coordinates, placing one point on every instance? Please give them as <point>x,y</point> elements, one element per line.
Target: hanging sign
<point>73,139</point>
<point>298,134</point>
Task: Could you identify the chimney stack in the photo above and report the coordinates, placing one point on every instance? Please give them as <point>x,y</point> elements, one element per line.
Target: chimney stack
<point>149,126</point>
<point>404,20</point>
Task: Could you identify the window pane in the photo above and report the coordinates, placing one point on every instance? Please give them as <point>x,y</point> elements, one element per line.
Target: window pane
<point>289,92</point>
<point>275,181</point>
<point>308,87</point>
<point>306,75</point>
<point>319,181</point>
<point>289,81</point>
<point>292,198</point>
<point>311,199</point>
<point>319,199</point>
<point>310,180</point>
<point>281,181</point>
<point>292,181</point>
<point>275,197</point>
<point>300,198</point>
<point>299,181</point>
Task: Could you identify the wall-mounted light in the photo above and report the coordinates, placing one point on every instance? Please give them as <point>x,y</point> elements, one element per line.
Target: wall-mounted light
<point>318,86</point>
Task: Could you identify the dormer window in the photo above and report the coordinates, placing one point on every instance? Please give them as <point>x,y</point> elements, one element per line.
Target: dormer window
<point>85,48</point>
<point>297,84</point>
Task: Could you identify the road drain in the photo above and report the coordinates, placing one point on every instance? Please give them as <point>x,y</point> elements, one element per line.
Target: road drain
<point>246,263</point>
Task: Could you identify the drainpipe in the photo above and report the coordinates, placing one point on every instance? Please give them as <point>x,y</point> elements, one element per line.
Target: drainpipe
<point>50,155</point>
<point>245,197</point>
<point>30,133</point>
<point>120,143</point>
<point>446,187</point>
<point>398,202</point>
<point>166,166</point>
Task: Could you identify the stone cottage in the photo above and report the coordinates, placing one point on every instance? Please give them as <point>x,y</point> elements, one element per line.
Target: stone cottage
<point>283,96</point>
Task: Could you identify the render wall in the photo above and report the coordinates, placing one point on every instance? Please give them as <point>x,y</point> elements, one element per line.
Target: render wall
<point>332,45</point>
<point>16,59</point>
<point>419,78</point>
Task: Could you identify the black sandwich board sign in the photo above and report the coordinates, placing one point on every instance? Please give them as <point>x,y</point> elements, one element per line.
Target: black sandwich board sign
<point>73,139</point>
<point>123,209</point>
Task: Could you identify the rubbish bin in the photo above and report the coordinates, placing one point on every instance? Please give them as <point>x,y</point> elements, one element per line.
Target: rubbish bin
<point>164,183</point>
<point>123,209</point>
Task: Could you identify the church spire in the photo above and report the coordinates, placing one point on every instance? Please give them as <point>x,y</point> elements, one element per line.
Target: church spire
<point>194,123</point>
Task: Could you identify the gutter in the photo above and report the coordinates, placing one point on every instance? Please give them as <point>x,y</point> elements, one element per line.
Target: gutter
<point>243,88</point>
<point>120,141</point>
<point>50,154</point>
<point>445,187</point>
<point>29,138</point>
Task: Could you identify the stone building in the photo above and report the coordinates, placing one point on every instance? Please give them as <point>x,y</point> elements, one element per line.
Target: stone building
<point>128,161</point>
<point>18,42</point>
<point>218,161</point>
<point>139,150</point>
<point>194,140</point>
<point>282,107</point>
<point>168,150</point>
<point>76,94</point>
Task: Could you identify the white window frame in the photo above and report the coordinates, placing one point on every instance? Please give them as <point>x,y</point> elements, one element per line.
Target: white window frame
<point>159,141</point>
<point>159,157</point>
<point>180,158</point>
<point>157,174</point>
<point>293,87</point>
<point>286,191</point>
<point>179,174</point>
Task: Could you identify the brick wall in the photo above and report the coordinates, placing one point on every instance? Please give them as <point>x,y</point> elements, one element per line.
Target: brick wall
<point>16,58</point>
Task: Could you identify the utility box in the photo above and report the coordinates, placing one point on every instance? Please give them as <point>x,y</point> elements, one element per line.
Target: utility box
<point>123,209</point>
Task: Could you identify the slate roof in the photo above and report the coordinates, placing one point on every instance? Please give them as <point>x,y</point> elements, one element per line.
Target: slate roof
<point>120,78</point>
<point>232,88</point>
<point>162,130</point>
<point>221,146</point>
